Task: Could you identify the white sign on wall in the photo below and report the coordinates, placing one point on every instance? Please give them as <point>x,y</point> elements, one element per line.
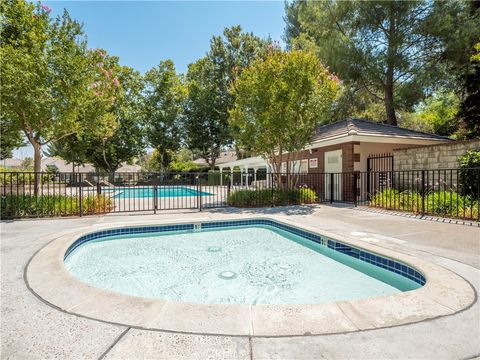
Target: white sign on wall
<point>313,163</point>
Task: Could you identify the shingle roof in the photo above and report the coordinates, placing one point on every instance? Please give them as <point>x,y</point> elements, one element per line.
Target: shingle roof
<point>11,162</point>
<point>63,166</point>
<point>366,127</point>
<point>225,157</point>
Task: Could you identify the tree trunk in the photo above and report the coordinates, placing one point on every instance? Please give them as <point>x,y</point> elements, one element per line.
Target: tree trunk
<point>389,107</point>
<point>37,165</point>
<point>212,159</point>
<point>162,159</point>
<point>391,58</point>
<point>278,164</point>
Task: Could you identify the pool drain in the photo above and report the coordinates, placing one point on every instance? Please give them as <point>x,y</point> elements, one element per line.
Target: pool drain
<point>227,275</point>
<point>214,249</point>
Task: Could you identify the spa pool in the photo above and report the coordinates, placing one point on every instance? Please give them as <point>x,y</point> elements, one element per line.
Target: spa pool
<point>234,262</point>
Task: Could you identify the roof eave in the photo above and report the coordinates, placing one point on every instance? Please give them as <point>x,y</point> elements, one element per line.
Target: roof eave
<point>369,137</point>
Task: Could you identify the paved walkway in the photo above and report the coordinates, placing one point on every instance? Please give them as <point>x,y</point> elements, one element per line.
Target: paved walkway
<point>32,329</point>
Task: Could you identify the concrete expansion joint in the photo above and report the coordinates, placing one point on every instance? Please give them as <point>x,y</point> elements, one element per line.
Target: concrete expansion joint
<point>250,347</point>
<point>251,321</point>
<point>115,342</point>
<point>356,319</point>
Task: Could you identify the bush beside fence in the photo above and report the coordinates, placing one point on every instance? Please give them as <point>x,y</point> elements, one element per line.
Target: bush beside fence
<point>439,203</point>
<point>18,206</point>
<point>271,197</point>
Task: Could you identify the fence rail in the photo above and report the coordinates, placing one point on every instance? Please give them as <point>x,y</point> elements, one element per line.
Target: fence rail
<point>451,193</point>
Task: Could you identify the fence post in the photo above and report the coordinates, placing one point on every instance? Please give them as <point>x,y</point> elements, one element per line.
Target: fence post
<point>155,195</point>
<point>80,194</point>
<point>271,186</point>
<point>199,193</point>
<point>355,176</point>
<point>332,178</point>
<point>423,192</point>
<point>478,193</point>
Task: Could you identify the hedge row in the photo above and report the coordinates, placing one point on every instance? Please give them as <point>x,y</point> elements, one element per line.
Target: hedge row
<point>15,206</point>
<point>271,197</point>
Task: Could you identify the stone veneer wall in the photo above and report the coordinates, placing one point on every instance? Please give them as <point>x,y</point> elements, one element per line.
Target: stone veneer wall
<point>432,157</point>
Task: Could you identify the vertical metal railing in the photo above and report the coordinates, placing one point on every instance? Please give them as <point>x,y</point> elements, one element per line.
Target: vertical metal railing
<point>446,192</point>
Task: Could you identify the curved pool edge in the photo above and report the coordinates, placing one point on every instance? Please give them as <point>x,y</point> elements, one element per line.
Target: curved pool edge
<point>444,293</point>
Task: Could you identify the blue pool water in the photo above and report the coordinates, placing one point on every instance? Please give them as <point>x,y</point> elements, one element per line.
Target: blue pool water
<point>147,192</point>
<point>253,264</point>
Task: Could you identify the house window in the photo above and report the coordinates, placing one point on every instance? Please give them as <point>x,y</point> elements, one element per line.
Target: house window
<point>313,163</point>
<point>304,167</point>
<point>283,168</point>
<point>295,166</point>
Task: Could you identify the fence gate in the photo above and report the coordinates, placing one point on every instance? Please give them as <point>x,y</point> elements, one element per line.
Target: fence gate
<point>379,172</point>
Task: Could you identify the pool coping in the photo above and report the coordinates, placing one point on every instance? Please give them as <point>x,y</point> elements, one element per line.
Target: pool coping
<point>444,293</point>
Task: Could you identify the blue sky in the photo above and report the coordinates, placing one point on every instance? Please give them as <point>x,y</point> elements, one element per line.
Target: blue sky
<point>142,33</point>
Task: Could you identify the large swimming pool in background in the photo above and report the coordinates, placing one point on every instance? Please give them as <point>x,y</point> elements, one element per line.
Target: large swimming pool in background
<point>148,192</point>
<point>237,262</point>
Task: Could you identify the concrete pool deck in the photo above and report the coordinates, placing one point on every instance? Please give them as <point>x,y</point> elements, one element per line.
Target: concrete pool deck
<point>33,329</point>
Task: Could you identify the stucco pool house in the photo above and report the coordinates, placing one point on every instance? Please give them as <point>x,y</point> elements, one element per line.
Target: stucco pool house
<point>343,146</point>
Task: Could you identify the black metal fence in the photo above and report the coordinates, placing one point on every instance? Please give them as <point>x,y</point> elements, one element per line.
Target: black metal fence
<point>380,162</point>
<point>28,194</point>
<point>452,193</point>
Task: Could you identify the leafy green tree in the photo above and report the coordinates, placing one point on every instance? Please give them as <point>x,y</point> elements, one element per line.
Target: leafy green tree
<point>440,112</point>
<point>183,161</point>
<point>71,149</point>
<point>52,86</point>
<point>279,102</point>
<point>108,150</point>
<point>149,162</point>
<point>107,153</point>
<point>163,106</point>
<point>436,115</point>
<point>390,49</point>
<point>476,57</point>
<point>470,108</point>
<point>184,154</point>
<point>27,164</point>
<point>457,31</point>
<point>209,99</point>
<point>10,138</point>
<point>206,128</point>
<point>183,166</point>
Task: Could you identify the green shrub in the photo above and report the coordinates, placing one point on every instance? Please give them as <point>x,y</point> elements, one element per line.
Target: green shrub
<point>391,198</point>
<point>443,203</point>
<point>11,177</point>
<point>269,197</point>
<point>214,178</point>
<point>15,206</point>
<point>183,166</point>
<point>307,196</point>
<point>469,172</point>
<point>15,176</point>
